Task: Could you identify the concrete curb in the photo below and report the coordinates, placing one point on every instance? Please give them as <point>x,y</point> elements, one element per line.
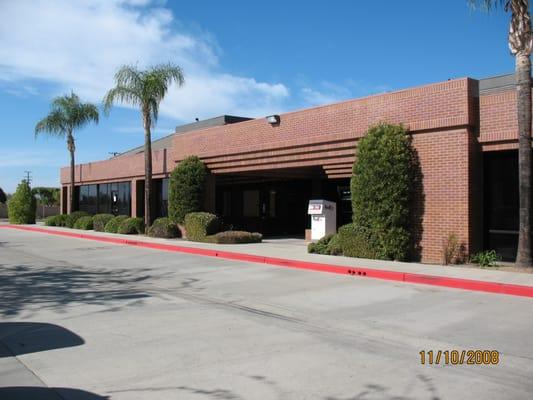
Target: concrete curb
<point>456,283</point>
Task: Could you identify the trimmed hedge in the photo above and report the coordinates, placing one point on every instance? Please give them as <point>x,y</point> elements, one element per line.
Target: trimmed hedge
<point>186,188</point>
<point>234,237</point>
<point>356,241</point>
<point>85,223</point>
<point>22,205</point>
<point>131,226</point>
<point>320,246</point>
<point>71,218</point>
<point>101,220</point>
<point>52,220</point>
<point>114,223</point>
<point>61,220</point>
<point>164,228</point>
<point>329,244</point>
<point>56,220</point>
<point>380,186</point>
<point>198,225</point>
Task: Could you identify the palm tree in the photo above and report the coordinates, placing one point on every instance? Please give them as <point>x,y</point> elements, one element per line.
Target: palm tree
<point>67,114</point>
<point>144,89</point>
<point>521,45</point>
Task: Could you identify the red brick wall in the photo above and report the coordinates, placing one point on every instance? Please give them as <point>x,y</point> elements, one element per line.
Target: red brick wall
<point>444,201</point>
<point>498,124</point>
<point>326,135</point>
<point>118,168</point>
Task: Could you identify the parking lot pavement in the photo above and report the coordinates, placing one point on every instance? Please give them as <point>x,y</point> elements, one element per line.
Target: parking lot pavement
<point>94,321</point>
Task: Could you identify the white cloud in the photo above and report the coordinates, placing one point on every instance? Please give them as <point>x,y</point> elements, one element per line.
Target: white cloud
<point>328,92</point>
<point>79,45</point>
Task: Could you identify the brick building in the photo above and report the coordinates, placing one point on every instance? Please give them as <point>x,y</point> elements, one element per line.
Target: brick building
<point>262,174</point>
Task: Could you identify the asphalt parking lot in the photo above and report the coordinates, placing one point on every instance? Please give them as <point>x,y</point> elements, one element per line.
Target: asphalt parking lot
<point>95,321</point>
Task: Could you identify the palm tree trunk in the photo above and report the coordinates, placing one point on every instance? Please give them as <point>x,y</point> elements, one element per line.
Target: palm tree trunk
<point>147,171</point>
<point>71,148</point>
<point>523,74</point>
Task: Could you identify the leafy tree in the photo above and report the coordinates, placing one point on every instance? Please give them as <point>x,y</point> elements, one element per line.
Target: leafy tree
<point>3,197</point>
<point>144,89</point>
<point>186,188</point>
<point>46,195</point>
<point>67,114</point>
<point>21,206</point>
<point>380,186</point>
<point>521,44</point>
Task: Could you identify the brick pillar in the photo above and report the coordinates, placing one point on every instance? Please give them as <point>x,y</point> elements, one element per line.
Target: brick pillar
<point>63,202</point>
<point>133,197</point>
<point>69,195</point>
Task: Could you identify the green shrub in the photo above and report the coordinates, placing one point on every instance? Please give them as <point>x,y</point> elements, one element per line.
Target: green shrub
<point>114,223</point>
<point>52,220</point>
<point>486,259</point>
<point>321,246</point>
<point>131,226</point>
<point>186,188</point>
<point>85,223</point>
<point>101,220</point>
<point>356,241</point>
<point>234,237</point>
<point>380,186</point>
<point>164,228</point>
<point>71,218</point>
<point>198,225</point>
<point>61,220</point>
<point>21,206</point>
<point>334,247</point>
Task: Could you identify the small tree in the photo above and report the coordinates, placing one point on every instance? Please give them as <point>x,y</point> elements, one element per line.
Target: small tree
<point>380,186</point>
<point>3,197</point>
<point>21,206</point>
<point>46,195</point>
<point>186,188</point>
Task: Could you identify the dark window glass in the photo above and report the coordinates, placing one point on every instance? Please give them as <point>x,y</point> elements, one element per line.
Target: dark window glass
<point>83,198</point>
<point>92,199</point>
<point>104,198</point>
<point>124,198</point>
<point>164,198</point>
<point>501,203</point>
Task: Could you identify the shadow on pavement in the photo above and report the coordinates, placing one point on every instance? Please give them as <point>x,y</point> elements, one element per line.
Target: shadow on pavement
<point>55,287</point>
<point>45,393</point>
<point>32,337</point>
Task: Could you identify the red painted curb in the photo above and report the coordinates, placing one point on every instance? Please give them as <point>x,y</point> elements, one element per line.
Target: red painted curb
<point>456,283</point>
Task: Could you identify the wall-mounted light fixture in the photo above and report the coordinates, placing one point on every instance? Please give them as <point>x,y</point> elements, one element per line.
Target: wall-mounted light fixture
<point>273,119</point>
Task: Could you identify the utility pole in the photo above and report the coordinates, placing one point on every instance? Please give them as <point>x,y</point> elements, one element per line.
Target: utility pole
<point>28,177</point>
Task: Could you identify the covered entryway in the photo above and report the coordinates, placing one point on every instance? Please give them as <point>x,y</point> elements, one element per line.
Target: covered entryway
<point>275,202</point>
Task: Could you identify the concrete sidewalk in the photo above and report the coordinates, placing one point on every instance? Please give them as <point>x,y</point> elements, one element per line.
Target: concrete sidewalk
<point>296,250</point>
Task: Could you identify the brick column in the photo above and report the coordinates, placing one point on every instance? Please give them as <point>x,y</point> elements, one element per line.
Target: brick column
<point>133,197</point>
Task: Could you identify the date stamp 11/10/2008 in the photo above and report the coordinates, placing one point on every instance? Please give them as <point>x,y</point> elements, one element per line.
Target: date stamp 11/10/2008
<point>459,357</point>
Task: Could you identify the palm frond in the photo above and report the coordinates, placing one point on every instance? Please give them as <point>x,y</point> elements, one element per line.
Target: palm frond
<point>128,76</point>
<point>67,113</point>
<point>145,89</point>
<point>54,124</point>
<point>85,113</point>
<point>488,5</point>
<point>121,94</point>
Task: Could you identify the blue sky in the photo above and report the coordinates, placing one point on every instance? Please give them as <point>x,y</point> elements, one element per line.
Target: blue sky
<point>246,58</point>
